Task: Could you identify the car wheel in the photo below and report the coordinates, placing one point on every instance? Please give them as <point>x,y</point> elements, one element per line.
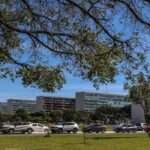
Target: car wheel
<point>102,131</point>
<point>68,131</point>
<point>3,132</point>
<point>46,131</point>
<point>97,132</point>
<point>11,131</point>
<point>75,130</point>
<point>123,131</point>
<point>90,131</point>
<point>23,132</point>
<point>128,131</point>
<point>117,131</point>
<point>53,131</point>
<point>134,131</point>
<point>60,131</point>
<point>29,131</point>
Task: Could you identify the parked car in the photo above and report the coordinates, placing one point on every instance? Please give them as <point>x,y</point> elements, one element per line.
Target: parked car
<point>147,128</point>
<point>29,127</point>
<point>140,126</point>
<point>62,127</point>
<point>125,128</point>
<point>95,127</point>
<point>7,128</point>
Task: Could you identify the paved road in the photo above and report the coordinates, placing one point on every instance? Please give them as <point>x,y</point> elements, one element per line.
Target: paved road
<point>80,132</point>
<point>112,132</point>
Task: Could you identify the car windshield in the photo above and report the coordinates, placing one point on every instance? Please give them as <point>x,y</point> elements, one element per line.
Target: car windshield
<point>34,124</point>
<point>68,123</point>
<point>41,125</point>
<point>22,123</point>
<point>59,123</point>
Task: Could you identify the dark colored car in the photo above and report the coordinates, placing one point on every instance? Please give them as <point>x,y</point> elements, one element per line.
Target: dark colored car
<point>147,128</point>
<point>140,127</point>
<point>125,128</point>
<point>94,128</point>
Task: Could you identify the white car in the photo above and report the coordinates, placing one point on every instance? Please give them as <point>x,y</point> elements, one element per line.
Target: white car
<point>7,128</point>
<point>31,127</point>
<point>65,127</point>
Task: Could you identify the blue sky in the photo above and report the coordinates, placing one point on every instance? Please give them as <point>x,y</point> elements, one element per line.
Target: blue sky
<point>9,89</point>
<point>15,89</point>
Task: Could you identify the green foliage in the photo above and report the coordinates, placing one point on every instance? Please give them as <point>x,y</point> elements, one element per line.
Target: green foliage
<point>45,78</point>
<point>75,142</point>
<point>21,115</point>
<point>111,115</point>
<point>69,115</point>
<point>103,113</point>
<point>39,40</point>
<point>56,116</point>
<point>140,92</point>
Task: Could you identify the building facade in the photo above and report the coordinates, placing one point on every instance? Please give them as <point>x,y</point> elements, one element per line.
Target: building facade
<point>45,103</point>
<point>15,104</point>
<point>86,101</point>
<point>83,101</point>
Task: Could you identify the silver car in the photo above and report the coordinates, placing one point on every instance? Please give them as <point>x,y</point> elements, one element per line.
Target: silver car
<point>62,127</point>
<point>31,127</point>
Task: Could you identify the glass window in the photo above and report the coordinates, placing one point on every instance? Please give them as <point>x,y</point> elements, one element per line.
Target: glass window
<point>34,124</point>
<point>68,123</point>
<point>40,125</point>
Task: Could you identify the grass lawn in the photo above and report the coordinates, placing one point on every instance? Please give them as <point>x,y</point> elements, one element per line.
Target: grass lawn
<point>75,142</point>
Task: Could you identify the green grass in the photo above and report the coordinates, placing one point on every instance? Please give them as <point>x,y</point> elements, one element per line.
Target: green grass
<point>76,142</point>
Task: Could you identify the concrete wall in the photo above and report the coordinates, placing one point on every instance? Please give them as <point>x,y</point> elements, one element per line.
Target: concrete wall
<point>137,113</point>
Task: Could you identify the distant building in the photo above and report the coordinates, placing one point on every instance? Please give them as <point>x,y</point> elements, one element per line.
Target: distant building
<point>45,103</point>
<point>83,101</point>
<point>15,104</point>
<point>86,101</point>
<point>3,107</point>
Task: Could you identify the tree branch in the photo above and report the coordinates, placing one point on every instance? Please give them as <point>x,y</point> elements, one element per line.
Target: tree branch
<point>50,48</point>
<point>92,4</point>
<point>95,20</point>
<point>13,60</point>
<point>135,14</point>
<point>35,13</point>
<point>36,31</point>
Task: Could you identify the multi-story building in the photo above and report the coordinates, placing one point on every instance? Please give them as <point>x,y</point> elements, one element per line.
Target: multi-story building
<point>83,101</point>
<point>86,101</point>
<point>45,103</point>
<point>15,104</point>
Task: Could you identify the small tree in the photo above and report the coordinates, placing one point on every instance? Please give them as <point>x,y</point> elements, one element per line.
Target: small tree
<point>140,93</point>
<point>56,116</point>
<point>21,115</point>
<point>69,115</point>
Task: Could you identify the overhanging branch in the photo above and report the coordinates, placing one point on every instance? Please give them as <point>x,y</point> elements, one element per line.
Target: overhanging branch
<point>95,20</point>
<point>11,59</point>
<point>135,14</point>
<point>35,13</point>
